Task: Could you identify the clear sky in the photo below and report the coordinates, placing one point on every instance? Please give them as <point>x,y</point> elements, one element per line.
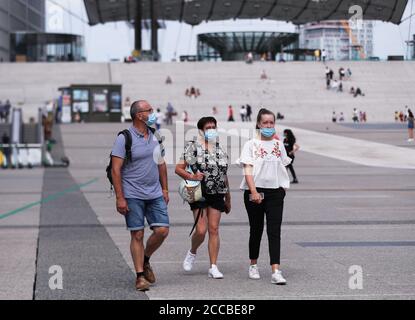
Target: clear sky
<point>116,40</point>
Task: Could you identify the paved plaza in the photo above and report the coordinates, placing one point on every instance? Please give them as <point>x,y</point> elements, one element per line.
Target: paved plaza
<point>354,206</point>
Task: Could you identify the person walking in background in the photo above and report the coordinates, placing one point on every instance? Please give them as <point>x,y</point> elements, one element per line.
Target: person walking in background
<point>230,114</point>
<point>248,113</point>
<point>410,126</point>
<point>324,55</point>
<point>127,103</point>
<point>334,117</point>
<point>208,163</point>
<point>214,111</point>
<point>7,108</point>
<point>317,55</point>
<point>342,73</point>
<point>5,140</point>
<point>170,112</point>
<point>185,117</point>
<point>2,112</point>
<point>265,179</point>
<point>243,113</point>
<point>249,58</point>
<point>328,84</point>
<point>355,116</point>
<point>160,119</point>
<point>291,146</point>
<point>331,74</point>
<point>327,73</point>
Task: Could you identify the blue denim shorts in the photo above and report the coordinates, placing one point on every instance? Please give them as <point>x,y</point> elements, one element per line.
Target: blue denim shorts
<point>154,211</point>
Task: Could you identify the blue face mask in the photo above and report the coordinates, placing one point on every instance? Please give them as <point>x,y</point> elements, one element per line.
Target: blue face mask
<point>152,119</point>
<point>211,135</point>
<point>268,132</point>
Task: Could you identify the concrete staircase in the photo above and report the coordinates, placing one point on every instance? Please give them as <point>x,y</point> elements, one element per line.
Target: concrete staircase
<point>296,89</point>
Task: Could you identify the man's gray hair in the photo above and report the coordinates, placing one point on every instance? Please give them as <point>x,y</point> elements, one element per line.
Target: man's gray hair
<point>135,108</point>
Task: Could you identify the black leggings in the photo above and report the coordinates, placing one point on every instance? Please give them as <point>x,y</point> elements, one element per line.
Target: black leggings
<point>272,207</point>
<point>291,168</point>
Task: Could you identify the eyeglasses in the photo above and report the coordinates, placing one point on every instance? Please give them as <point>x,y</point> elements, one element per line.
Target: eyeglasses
<point>144,111</point>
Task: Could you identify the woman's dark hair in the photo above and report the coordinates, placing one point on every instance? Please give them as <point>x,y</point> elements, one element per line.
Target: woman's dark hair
<point>410,114</point>
<point>264,112</point>
<point>204,121</point>
<point>290,136</point>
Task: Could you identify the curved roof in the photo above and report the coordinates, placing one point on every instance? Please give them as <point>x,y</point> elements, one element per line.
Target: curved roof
<point>196,11</point>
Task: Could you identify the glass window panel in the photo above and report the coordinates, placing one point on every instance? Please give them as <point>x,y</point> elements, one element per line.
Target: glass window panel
<point>81,95</point>
<point>100,101</point>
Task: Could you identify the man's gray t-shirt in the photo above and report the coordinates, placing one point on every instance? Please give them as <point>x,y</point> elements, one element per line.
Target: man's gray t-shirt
<point>140,178</point>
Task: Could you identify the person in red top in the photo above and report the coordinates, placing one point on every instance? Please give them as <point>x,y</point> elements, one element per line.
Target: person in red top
<point>230,114</point>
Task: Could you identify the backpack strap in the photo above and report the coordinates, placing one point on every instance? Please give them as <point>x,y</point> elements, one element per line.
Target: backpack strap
<point>160,140</point>
<point>128,144</point>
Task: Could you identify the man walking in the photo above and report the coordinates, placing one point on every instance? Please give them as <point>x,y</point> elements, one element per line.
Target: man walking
<point>141,189</point>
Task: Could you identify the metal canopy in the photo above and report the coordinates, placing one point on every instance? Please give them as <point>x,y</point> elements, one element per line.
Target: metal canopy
<point>194,12</point>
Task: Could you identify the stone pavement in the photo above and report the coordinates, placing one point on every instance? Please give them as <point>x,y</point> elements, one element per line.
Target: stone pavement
<point>342,214</point>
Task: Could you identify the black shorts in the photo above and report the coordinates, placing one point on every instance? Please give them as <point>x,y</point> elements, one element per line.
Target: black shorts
<point>215,201</point>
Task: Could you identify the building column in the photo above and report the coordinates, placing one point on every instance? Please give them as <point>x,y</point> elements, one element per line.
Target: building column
<point>154,29</point>
<point>138,25</point>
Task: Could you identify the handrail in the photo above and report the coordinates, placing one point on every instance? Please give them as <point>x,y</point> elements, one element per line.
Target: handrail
<point>21,145</point>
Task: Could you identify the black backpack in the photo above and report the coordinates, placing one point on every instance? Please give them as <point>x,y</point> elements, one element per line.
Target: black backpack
<point>128,146</point>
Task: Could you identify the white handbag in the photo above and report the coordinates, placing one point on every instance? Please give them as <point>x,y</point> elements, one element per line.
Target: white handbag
<point>191,191</point>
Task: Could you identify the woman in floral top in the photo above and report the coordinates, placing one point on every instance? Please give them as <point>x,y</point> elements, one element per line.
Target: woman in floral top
<point>203,160</point>
<point>264,160</point>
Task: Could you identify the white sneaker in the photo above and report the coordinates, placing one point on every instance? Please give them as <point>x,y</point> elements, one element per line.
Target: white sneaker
<point>254,272</point>
<point>215,273</point>
<point>278,279</point>
<point>410,140</point>
<point>189,261</point>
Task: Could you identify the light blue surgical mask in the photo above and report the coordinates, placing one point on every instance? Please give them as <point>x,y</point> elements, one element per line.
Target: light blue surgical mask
<point>152,119</point>
<point>268,132</point>
<point>211,135</point>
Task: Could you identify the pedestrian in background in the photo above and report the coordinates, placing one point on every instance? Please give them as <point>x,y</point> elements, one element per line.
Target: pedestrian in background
<point>410,126</point>
<point>291,147</point>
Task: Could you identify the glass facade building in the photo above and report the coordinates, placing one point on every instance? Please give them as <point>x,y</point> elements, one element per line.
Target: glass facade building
<point>234,46</point>
<point>19,15</point>
<point>46,47</point>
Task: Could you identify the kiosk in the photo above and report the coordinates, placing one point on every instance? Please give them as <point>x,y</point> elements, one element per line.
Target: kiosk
<point>91,103</point>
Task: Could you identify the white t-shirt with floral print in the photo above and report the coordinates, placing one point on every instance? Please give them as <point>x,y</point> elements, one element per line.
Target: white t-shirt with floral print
<point>269,159</point>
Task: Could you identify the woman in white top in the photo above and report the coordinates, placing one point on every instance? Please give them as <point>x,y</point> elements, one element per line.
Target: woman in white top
<point>264,160</point>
